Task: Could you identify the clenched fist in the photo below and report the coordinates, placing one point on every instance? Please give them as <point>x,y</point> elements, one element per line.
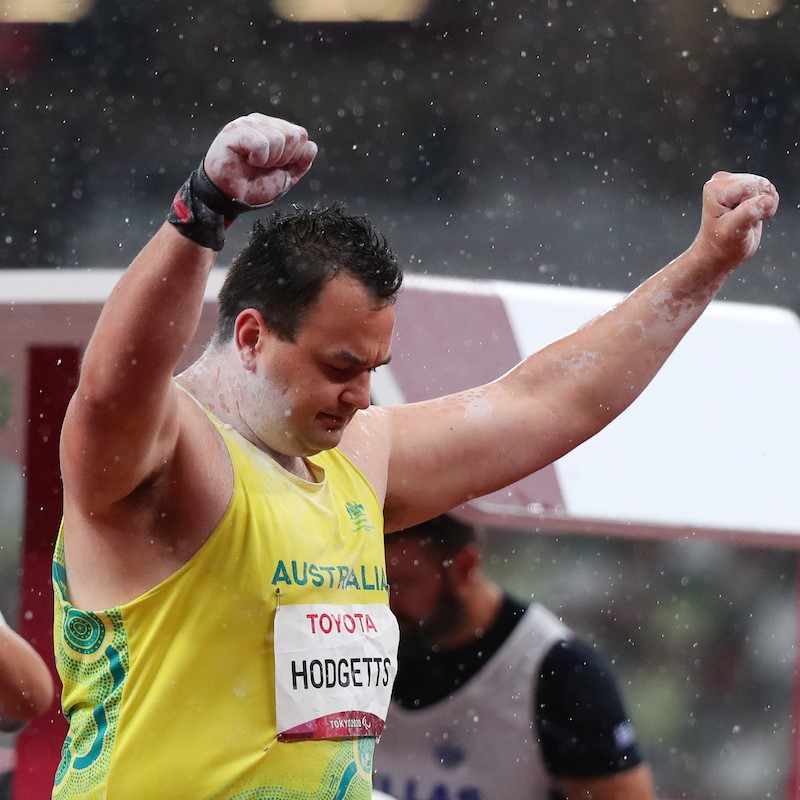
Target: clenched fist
<point>255,159</point>
<point>734,207</point>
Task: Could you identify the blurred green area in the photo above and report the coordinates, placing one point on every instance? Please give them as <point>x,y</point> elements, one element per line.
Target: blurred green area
<point>702,639</point>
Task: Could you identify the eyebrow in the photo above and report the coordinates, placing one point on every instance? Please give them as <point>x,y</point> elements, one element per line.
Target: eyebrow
<point>356,361</point>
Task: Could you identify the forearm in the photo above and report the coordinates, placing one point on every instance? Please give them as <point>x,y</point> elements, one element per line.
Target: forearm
<point>446,451</point>
<point>603,366</point>
<point>147,322</point>
<point>550,403</point>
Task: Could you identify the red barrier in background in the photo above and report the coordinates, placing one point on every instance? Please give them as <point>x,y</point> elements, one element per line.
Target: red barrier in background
<point>52,377</point>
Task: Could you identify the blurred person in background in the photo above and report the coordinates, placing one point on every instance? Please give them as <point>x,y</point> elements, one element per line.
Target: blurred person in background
<point>222,619</point>
<point>494,698</point>
<point>26,692</point>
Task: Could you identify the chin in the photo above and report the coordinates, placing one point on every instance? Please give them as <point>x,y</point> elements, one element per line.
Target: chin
<point>329,436</point>
<point>329,441</point>
<point>314,442</point>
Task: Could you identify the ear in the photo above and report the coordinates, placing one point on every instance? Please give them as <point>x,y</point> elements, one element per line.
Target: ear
<point>249,332</point>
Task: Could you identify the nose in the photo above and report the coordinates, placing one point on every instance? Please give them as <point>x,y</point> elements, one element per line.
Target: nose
<point>356,392</point>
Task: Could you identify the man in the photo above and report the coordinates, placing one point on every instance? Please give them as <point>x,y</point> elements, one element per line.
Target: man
<point>493,698</point>
<point>221,604</point>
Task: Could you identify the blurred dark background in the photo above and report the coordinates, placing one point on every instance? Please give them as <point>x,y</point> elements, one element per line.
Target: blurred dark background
<point>553,141</point>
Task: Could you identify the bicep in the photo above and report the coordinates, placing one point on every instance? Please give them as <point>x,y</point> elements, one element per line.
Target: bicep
<point>106,454</point>
<point>123,415</point>
<point>446,451</point>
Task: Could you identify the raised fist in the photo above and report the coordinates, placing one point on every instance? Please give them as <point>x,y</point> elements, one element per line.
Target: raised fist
<point>734,206</point>
<point>258,158</point>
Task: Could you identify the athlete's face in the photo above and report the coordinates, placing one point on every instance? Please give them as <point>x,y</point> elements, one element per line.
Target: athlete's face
<point>301,395</point>
<point>424,592</point>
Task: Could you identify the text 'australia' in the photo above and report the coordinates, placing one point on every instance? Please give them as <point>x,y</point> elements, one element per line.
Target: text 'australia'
<point>340,576</point>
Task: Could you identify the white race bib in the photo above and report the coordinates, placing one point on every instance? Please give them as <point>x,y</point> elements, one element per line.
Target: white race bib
<point>334,670</point>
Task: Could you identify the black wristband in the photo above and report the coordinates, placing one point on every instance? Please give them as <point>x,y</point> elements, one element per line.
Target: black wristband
<point>202,213</point>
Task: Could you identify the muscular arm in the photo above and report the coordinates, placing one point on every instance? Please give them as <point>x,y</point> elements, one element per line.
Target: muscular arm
<point>445,451</point>
<point>123,422</point>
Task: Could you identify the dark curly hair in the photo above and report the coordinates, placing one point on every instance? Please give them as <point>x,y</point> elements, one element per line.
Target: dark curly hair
<point>289,259</point>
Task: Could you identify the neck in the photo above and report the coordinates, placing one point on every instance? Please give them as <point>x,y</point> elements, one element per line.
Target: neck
<point>212,382</point>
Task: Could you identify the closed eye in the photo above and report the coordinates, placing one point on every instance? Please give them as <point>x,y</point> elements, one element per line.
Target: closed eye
<point>353,368</point>
<point>339,373</point>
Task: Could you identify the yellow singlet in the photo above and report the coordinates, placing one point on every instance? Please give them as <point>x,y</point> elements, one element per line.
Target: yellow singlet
<point>172,695</point>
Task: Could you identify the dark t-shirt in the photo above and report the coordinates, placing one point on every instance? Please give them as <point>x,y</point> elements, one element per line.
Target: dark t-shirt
<point>580,719</point>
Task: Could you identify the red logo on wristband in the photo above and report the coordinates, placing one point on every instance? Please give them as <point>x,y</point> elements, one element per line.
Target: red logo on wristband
<point>181,209</point>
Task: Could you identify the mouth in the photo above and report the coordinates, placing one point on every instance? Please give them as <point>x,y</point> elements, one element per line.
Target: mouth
<point>333,422</point>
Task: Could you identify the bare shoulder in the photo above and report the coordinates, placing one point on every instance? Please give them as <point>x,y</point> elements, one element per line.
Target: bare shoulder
<point>116,552</point>
<point>366,442</point>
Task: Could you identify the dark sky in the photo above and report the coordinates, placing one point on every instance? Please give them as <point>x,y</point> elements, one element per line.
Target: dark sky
<point>554,141</point>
